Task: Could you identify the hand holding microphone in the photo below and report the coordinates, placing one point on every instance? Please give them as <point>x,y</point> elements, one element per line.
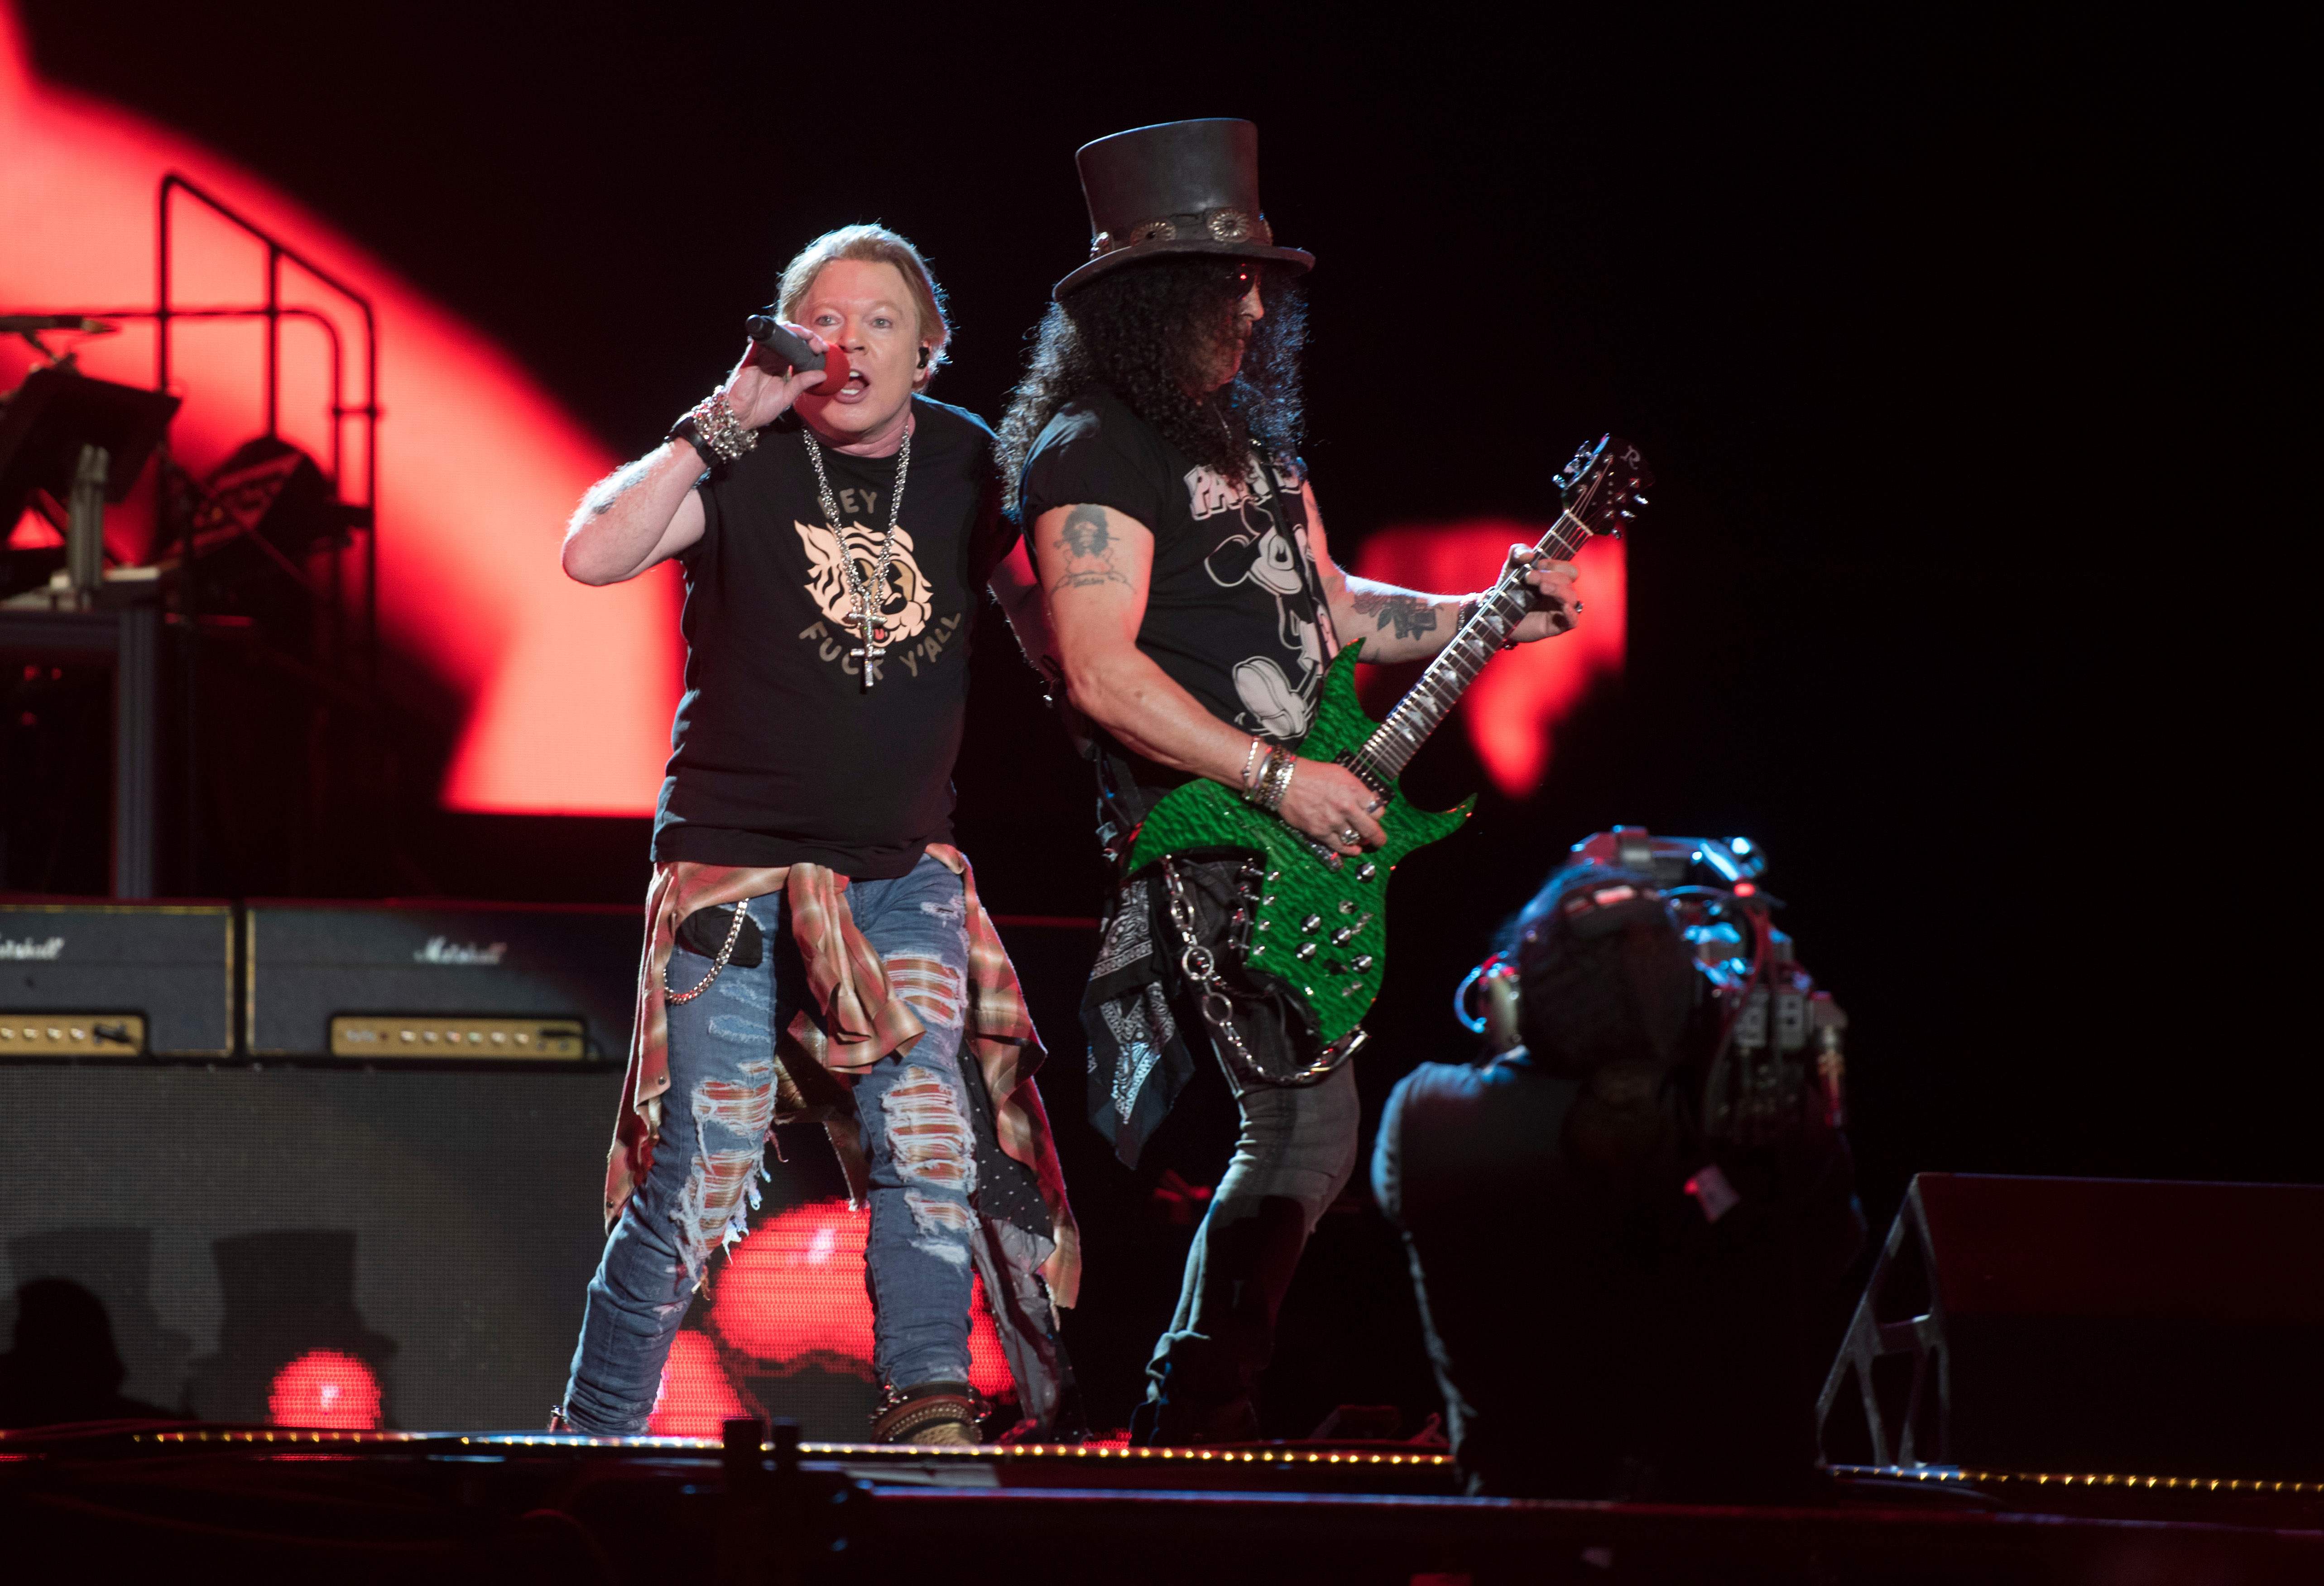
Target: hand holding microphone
<point>782,364</point>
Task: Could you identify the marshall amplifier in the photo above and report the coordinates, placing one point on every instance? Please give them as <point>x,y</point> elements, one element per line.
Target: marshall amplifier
<point>439,982</point>
<point>114,980</point>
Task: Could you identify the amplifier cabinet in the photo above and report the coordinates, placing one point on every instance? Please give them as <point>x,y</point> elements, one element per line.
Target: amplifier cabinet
<point>170,965</point>
<point>308,963</point>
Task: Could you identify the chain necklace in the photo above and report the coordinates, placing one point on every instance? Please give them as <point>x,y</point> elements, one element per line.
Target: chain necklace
<point>872,634</point>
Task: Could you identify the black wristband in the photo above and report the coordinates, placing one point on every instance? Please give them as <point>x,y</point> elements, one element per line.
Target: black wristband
<point>687,430</point>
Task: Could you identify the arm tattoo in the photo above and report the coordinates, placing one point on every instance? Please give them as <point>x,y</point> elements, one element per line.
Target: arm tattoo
<point>1088,540</point>
<point>607,492</point>
<point>1410,614</point>
<point>1086,533</point>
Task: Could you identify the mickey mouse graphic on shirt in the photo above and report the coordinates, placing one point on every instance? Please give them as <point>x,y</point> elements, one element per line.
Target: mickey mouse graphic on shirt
<point>1266,554</point>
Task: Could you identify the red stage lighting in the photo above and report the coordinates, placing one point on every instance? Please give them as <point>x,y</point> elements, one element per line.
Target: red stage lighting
<point>567,690</point>
<point>695,1398</point>
<point>791,1294</point>
<point>1514,708</point>
<point>324,1390</point>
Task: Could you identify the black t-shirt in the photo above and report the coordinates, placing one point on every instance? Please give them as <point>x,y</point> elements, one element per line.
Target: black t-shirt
<point>1234,610</point>
<point>779,756</point>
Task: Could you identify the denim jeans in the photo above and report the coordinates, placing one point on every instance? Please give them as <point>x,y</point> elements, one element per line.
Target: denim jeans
<point>1294,1156</point>
<point>714,1122</point>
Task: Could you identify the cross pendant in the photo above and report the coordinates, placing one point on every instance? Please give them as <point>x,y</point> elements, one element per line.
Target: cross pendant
<point>868,652</point>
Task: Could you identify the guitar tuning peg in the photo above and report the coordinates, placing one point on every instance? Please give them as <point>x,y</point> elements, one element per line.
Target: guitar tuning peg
<point>1640,499</point>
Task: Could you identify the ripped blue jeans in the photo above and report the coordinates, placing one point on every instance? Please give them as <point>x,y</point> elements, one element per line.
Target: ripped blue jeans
<point>714,1122</point>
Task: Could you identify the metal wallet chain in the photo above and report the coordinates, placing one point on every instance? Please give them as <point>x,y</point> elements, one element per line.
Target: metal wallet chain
<point>1212,995</point>
<point>734,935</point>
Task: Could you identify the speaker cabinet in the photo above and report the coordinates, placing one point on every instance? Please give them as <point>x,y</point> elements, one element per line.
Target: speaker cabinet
<point>136,979</point>
<point>2089,1325</point>
<point>306,965</point>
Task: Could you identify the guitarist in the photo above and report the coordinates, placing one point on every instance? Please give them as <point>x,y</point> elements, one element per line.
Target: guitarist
<point>1192,607</point>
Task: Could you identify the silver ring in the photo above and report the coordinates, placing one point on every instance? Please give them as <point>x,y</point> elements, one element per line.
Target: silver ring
<point>1351,838</point>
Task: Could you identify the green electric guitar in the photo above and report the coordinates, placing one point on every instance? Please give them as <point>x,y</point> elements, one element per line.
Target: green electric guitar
<point>1317,924</point>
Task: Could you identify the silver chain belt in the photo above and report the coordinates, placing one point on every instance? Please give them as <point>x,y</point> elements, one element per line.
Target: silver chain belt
<point>1200,964</point>
<point>734,935</point>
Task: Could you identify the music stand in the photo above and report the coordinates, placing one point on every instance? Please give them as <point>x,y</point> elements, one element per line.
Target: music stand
<point>54,414</point>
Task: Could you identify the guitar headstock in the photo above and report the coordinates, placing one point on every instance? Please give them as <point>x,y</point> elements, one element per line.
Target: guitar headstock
<point>1603,485</point>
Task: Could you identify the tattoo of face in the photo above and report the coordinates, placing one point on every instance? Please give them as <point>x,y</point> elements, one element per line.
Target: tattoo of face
<point>1409,614</point>
<point>1086,536</point>
<point>1086,533</point>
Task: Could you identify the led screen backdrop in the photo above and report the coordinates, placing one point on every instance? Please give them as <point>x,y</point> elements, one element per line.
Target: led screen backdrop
<point>301,1245</point>
<point>568,690</point>
<point>334,1248</point>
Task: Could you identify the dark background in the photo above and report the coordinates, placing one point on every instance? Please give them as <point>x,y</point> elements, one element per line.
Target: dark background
<point>1812,272</point>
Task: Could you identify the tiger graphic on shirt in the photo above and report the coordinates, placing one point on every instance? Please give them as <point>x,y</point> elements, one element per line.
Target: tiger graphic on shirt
<point>902,609</point>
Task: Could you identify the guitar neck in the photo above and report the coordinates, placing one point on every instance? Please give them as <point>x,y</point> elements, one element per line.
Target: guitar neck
<point>1385,754</point>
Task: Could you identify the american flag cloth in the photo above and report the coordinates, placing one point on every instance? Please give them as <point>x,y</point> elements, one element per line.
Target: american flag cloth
<point>852,1018</point>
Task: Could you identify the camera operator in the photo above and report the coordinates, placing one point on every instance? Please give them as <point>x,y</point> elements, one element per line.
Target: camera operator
<point>1617,1304</point>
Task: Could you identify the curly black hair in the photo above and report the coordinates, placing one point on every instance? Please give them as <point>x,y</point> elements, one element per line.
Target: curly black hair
<point>1146,331</point>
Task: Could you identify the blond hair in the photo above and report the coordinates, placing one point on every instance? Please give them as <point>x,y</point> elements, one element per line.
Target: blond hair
<point>871,243</point>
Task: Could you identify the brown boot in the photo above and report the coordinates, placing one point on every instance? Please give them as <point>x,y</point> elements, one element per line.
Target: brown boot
<point>937,1414</point>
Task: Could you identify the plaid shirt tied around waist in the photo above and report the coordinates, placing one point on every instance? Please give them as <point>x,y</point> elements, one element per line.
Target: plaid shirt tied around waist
<point>852,1020</point>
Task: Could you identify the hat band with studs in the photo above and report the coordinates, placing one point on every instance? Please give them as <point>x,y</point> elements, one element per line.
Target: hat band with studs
<point>1218,226</point>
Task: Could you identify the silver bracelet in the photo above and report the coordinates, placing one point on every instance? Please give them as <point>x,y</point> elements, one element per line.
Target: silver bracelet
<point>1274,779</point>
<point>720,429</point>
<point>1250,759</point>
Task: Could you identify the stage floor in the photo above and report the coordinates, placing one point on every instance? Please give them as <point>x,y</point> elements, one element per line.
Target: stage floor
<point>102,1503</point>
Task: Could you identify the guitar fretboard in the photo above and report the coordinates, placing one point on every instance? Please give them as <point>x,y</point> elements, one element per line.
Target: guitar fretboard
<point>1385,754</point>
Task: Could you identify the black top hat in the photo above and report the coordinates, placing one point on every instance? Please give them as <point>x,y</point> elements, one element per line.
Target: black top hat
<point>1182,187</point>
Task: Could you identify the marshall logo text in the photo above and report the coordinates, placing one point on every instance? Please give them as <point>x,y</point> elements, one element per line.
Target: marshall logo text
<point>440,950</point>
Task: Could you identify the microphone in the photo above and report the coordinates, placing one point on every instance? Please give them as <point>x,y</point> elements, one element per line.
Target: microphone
<point>768,331</point>
<point>17,324</point>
